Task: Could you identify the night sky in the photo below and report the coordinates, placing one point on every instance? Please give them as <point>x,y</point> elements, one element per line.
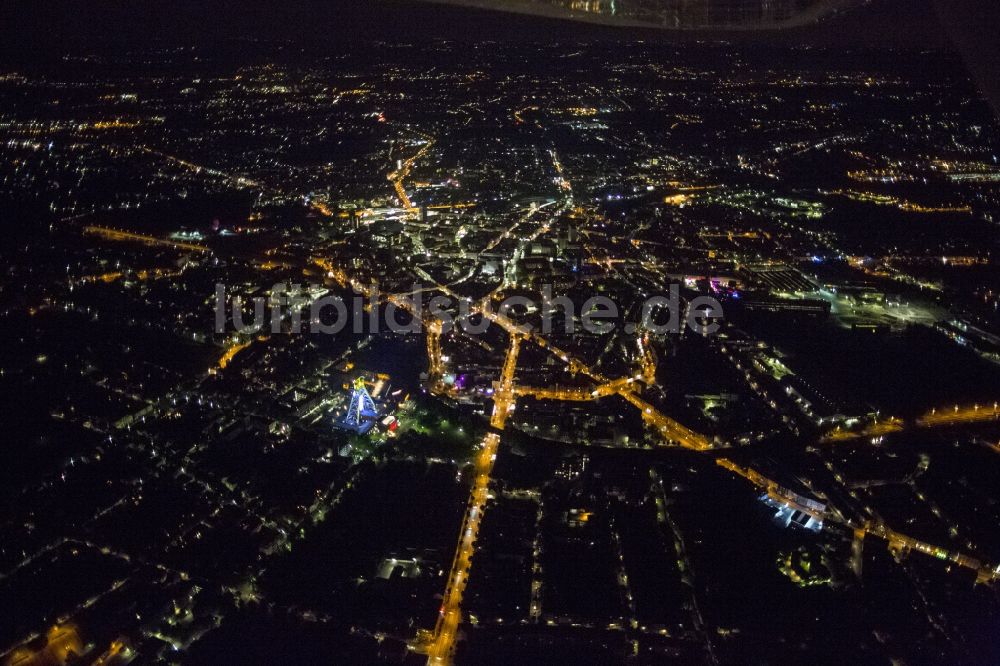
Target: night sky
<point>910,22</point>
<point>34,30</point>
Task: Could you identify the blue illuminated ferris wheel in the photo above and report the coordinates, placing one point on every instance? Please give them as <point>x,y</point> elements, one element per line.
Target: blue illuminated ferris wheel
<point>361,413</point>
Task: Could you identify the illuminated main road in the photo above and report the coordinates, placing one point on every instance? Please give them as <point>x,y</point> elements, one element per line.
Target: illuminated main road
<point>442,649</point>
<point>958,415</point>
<point>397,177</point>
<point>936,418</point>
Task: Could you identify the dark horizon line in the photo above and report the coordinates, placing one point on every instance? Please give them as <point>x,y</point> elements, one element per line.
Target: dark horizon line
<point>894,23</point>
